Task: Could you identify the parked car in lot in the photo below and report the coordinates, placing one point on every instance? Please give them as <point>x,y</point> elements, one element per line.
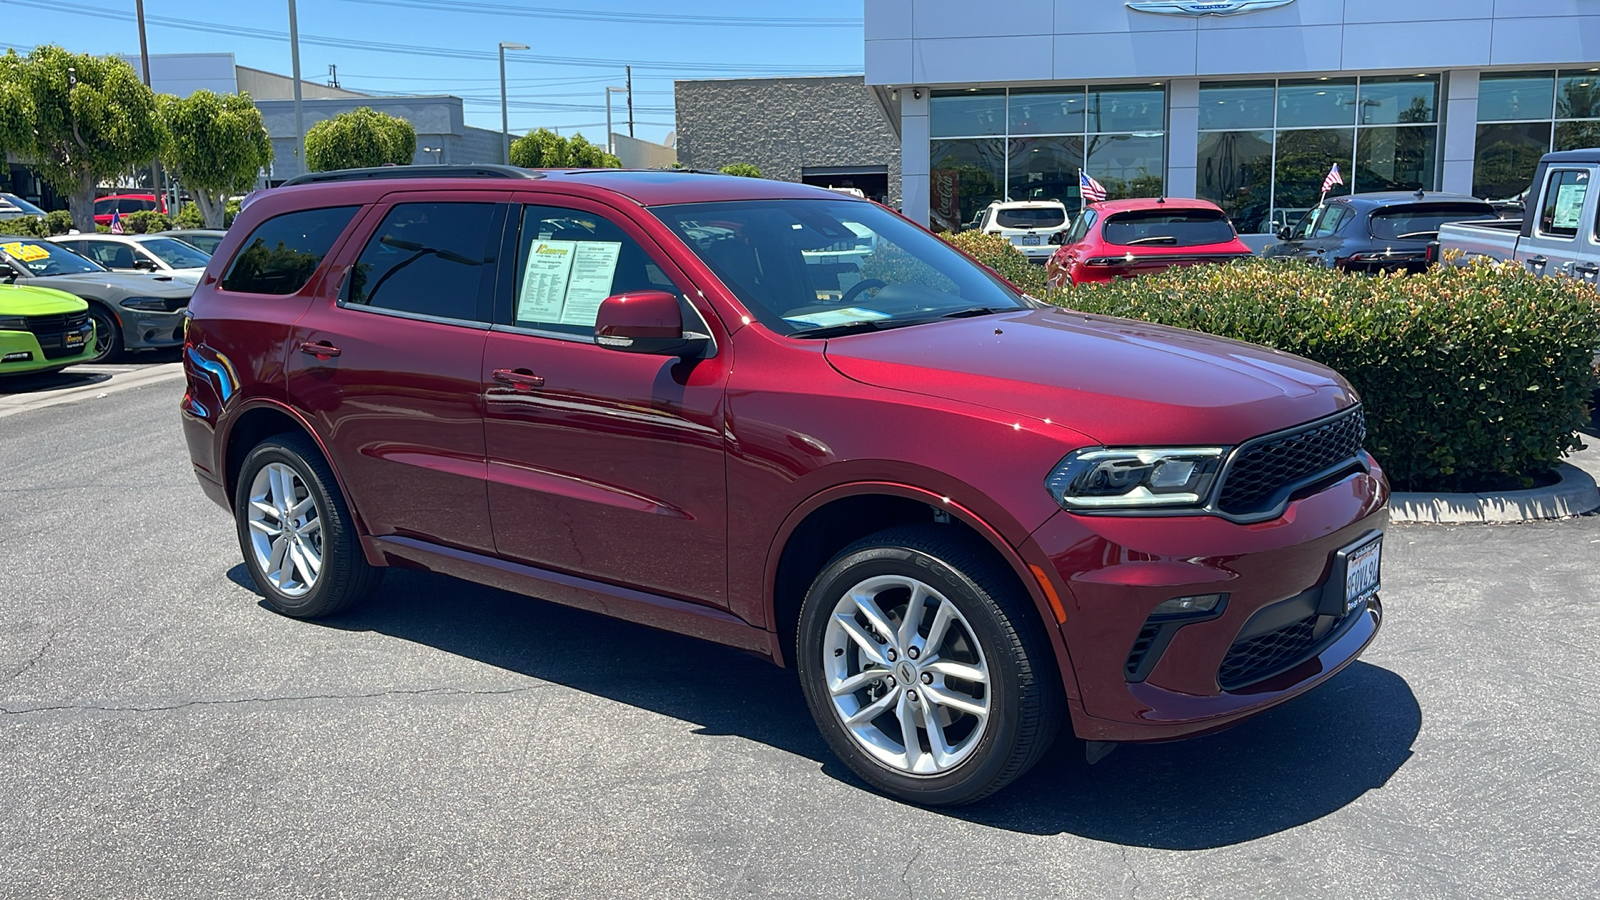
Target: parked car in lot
<point>1559,233</point>
<point>962,515</point>
<point>14,207</point>
<point>125,204</point>
<point>139,253</point>
<point>1126,238</point>
<point>130,311</point>
<point>42,330</point>
<point>206,239</point>
<point>1027,224</point>
<point>1377,232</point>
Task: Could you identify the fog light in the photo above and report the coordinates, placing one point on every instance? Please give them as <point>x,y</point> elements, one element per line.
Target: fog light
<point>1189,606</point>
<point>19,356</point>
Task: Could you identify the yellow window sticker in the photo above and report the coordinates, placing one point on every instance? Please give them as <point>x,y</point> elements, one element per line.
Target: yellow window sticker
<point>25,252</point>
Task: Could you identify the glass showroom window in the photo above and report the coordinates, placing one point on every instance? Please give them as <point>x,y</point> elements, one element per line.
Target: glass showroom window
<point>1524,115</point>
<point>1031,144</point>
<point>1265,147</point>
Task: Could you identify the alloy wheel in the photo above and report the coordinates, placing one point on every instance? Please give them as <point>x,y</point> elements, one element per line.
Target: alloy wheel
<point>285,529</point>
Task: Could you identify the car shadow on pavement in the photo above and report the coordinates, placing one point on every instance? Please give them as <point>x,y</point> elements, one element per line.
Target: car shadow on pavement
<point>53,381</point>
<point>1285,768</point>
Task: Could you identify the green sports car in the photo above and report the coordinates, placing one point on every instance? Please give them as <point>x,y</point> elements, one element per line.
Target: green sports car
<point>42,330</point>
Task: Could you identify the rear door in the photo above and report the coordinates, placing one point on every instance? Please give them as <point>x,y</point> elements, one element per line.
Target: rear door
<point>387,365</point>
<point>602,464</point>
<point>1564,208</point>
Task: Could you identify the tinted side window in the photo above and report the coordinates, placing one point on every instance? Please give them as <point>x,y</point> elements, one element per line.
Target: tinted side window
<point>569,261</point>
<point>1564,194</point>
<point>283,252</point>
<point>426,258</point>
<point>1332,220</point>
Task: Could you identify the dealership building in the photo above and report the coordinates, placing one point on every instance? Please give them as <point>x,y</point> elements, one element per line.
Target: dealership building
<point>1248,103</point>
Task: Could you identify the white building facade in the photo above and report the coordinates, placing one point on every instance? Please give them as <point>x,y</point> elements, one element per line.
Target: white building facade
<point>1248,103</point>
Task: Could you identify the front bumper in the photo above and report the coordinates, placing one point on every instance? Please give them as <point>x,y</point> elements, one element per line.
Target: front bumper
<point>1112,572</point>
<point>142,330</point>
<point>25,354</point>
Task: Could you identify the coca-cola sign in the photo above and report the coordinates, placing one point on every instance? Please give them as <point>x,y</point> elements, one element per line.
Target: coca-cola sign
<point>946,205</point>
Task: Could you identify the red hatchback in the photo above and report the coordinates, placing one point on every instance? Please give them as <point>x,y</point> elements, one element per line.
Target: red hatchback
<point>1127,238</point>
<point>791,422</point>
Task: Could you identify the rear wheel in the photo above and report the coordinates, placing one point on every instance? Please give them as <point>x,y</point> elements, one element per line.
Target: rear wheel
<point>107,335</point>
<point>925,667</point>
<point>296,532</point>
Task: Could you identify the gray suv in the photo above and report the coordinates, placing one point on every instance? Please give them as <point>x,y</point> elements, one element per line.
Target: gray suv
<point>131,311</point>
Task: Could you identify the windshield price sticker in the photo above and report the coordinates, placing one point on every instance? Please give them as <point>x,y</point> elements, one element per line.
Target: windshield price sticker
<point>25,252</point>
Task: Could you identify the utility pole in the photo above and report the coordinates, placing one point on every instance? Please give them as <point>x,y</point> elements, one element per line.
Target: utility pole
<point>144,64</point>
<point>299,118</point>
<point>629,71</point>
<point>333,75</point>
<point>505,122</point>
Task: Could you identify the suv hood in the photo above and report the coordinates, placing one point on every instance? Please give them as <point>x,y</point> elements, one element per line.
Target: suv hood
<point>117,283</point>
<point>1116,381</point>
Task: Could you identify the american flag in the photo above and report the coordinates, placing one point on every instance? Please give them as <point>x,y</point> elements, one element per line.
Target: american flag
<point>1333,178</point>
<point>116,222</point>
<point>1093,191</point>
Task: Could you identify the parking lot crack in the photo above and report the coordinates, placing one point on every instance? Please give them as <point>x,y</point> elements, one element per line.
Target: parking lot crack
<point>910,892</point>
<point>240,701</point>
<point>1133,873</point>
<point>32,660</point>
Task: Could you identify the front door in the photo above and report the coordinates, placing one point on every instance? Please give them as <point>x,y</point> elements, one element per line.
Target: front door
<point>1553,245</point>
<point>389,369</point>
<point>603,464</point>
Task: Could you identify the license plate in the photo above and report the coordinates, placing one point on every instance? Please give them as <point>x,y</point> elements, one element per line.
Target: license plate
<point>1030,240</point>
<point>72,339</point>
<point>1361,573</point>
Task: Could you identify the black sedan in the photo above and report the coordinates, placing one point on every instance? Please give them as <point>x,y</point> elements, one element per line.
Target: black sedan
<point>1378,232</point>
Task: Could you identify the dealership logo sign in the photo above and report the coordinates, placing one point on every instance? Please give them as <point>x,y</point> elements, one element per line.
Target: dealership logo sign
<point>1206,7</point>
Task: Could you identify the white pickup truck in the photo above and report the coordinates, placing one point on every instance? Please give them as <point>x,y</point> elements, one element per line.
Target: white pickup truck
<point>1560,232</point>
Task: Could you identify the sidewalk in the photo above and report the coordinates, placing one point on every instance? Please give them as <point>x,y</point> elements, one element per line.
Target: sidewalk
<point>83,382</point>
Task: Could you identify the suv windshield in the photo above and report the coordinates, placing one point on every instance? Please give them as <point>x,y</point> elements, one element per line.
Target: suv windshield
<point>177,254</point>
<point>1030,217</point>
<point>806,265</point>
<point>43,258</point>
<point>1176,228</point>
<point>1422,220</point>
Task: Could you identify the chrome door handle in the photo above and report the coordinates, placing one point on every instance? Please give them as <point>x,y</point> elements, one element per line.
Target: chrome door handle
<point>1538,262</point>
<point>323,350</point>
<point>521,379</point>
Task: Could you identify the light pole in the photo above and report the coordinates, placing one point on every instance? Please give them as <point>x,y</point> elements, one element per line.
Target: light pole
<point>299,120</point>
<point>505,122</point>
<point>611,145</point>
<point>438,154</point>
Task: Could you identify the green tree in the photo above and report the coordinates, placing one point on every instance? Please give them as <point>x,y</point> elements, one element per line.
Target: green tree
<point>216,145</point>
<point>743,170</point>
<point>76,120</point>
<point>544,149</point>
<point>360,138</point>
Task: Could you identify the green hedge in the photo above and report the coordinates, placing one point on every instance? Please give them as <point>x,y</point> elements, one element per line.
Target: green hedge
<point>1000,255</point>
<point>1474,378</point>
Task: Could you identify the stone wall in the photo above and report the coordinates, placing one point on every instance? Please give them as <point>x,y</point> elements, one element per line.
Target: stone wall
<point>783,125</point>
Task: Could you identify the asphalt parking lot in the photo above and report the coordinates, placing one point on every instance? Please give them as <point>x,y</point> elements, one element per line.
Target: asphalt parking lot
<point>164,734</point>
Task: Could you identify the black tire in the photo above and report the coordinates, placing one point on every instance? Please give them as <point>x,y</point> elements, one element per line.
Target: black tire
<point>1024,690</point>
<point>107,335</point>
<point>345,577</point>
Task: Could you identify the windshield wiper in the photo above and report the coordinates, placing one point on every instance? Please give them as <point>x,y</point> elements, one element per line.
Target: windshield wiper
<point>971,311</point>
<point>1159,239</point>
<point>1416,234</point>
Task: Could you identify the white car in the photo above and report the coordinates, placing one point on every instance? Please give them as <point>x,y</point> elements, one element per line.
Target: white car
<point>1027,224</point>
<point>139,253</point>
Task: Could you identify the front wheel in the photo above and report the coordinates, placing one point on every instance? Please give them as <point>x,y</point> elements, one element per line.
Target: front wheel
<point>107,335</point>
<point>926,668</point>
<point>296,532</point>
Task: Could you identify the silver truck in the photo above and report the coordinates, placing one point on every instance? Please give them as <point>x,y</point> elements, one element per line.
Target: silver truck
<point>1559,233</point>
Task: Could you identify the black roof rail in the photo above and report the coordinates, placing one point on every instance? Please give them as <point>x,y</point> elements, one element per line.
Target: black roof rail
<point>386,172</point>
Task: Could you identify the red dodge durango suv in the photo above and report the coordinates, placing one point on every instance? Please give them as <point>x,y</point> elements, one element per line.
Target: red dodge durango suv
<point>792,422</point>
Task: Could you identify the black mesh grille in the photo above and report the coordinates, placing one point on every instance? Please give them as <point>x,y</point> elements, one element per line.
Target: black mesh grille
<point>1266,465</point>
<point>1141,648</point>
<point>1266,654</point>
<point>51,332</point>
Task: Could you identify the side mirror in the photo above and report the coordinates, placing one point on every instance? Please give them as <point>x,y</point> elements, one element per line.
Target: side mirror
<point>144,265</point>
<point>646,322</point>
<point>1285,233</point>
<point>1058,238</point>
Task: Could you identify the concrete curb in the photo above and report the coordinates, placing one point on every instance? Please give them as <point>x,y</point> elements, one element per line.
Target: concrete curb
<point>1574,495</point>
<point>116,384</point>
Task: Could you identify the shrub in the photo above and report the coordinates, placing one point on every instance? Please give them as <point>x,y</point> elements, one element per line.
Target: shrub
<point>1000,255</point>
<point>58,221</point>
<point>1474,378</point>
<point>146,221</point>
<point>743,170</point>
<point>229,211</point>
<point>23,225</point>
<point>189,217</point>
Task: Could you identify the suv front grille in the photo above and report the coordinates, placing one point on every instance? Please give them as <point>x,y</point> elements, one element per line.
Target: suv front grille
<point>1265,466</point>
<point>1267,654</point>
<point>51,332</point>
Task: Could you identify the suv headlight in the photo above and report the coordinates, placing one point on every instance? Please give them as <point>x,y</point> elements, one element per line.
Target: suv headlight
<point>145,304</point>
<point>1097,478</point>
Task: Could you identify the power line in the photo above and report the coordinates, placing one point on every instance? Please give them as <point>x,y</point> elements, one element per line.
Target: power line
<point>596,15</point>
<point>345,43</point>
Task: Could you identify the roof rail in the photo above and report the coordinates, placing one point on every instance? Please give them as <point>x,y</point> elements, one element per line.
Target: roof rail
<point>386,172</point>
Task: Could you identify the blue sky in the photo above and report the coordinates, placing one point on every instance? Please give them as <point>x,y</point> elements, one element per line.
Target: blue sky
<point>577,47</point>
